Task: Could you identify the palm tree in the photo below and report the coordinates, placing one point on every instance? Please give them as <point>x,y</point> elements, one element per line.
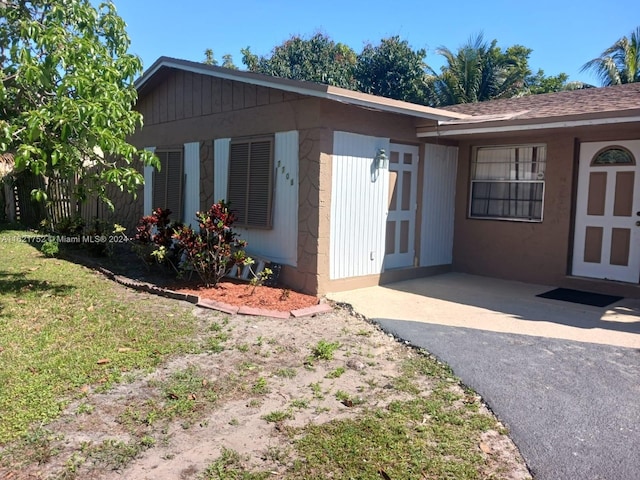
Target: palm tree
<point>620,63</point>
<point>478,71</point>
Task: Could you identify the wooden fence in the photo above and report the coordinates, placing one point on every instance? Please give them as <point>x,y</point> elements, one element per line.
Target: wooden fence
<point>61,203</point>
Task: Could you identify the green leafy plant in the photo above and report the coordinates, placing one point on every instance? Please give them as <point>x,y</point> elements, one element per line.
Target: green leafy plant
<point>324,350</point>
<point>337,373</point>
<point>71,225</point>
<point>277,416</point>
<point>153,241</point>
<point>215,249</point>
<point>260,387</point>
<point>50,248</point>
<point>258,278</point>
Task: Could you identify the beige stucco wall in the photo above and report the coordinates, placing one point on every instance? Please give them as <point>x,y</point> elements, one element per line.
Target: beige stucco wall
<point>529,252</point>
<point>183,107</point>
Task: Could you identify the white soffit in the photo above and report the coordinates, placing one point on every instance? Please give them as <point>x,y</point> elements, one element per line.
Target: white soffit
<point>526,127</point>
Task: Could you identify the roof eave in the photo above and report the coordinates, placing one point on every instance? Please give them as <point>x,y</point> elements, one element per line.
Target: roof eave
<point>303,88</point>
<point>473,128</point>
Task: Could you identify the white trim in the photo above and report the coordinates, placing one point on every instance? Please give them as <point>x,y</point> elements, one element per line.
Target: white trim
<point>396,259</point>
<point>533,126</point>
<point>148,185</point>
<point>191,191</point>
<point>220,168</point>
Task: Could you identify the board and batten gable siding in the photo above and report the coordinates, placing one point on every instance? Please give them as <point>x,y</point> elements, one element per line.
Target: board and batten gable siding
<point>181,95</point>
<point>359,205</point>
<point>438,205</point>
<point>280,243</point>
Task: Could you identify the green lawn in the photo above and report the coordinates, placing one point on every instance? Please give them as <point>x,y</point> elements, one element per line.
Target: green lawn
<point>66,331</point>
<point>63,328</point>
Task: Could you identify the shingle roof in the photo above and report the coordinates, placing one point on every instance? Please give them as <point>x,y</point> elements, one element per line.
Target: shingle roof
<point>577,102</point>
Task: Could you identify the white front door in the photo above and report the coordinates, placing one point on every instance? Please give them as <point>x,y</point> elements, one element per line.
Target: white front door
<point>401,217</point>
<point>607,225</point>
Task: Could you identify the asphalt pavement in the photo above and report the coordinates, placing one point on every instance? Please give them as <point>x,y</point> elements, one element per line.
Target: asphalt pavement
<point>572,408</point>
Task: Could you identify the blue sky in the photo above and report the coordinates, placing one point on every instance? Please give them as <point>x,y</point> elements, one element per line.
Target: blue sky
<point>564,34</point>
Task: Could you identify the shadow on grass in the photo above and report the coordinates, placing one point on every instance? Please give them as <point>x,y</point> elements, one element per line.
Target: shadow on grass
<point>19,283</point>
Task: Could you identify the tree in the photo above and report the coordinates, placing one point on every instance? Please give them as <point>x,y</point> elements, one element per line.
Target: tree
<point>209,59</point>
<point>392,69</point>
<point>539,83</point>
<point>67,94</point>
<point>618,64</point>
<point>318,59</point>
<point>227,62</point>
<point>479,71</point>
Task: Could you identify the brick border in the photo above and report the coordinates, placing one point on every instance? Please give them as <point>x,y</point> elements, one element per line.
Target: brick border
<point>314,310</point>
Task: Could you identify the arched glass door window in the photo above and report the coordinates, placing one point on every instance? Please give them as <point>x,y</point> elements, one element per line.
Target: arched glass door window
<point>614,155</point>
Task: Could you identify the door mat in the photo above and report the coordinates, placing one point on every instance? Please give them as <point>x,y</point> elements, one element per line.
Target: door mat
<point>578,296</point>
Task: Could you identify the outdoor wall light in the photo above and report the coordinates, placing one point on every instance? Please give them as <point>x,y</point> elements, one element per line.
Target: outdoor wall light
<point>381,158</point>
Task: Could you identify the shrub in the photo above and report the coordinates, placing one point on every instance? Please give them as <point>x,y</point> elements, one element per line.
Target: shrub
<point>50,248</point>
<point>215,249</point>
<point>71,225</point>
<point>153,241</point>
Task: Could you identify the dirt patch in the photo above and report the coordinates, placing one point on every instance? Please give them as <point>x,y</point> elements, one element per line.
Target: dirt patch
<point>246,373</point>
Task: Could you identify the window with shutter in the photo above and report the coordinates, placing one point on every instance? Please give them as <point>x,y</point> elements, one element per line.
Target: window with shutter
<point>168,182</point>
<point>250,183</point>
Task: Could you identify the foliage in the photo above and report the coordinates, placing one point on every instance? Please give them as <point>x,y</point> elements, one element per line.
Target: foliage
<point>153,240</point>
<point>71,225</point>
<point>67,92</point>
<point>539,83</point>
<point>479,71</point>
<point>50,248</point>
<point>230,466</point>
<point>620,63</point>
<point>325,350</point>
<point>318,59</point>
<point>392,69</point>
<point>227,60</point>
<point>215,249</point>
<point>209,59</point>
<point>258,278</point>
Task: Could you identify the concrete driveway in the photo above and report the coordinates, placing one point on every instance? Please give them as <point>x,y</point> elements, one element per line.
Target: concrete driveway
<point>563,377</point>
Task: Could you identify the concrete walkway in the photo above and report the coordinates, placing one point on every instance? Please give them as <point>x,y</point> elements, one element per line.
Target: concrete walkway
<point>494,305</point>
<point>563,377</point>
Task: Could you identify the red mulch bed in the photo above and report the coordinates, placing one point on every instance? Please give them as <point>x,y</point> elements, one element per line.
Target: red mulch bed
<point>243,294</point>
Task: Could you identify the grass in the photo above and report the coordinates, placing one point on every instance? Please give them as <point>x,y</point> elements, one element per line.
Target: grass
<point>424,437</point>
<point>65,331</point>
<point>63,328</point>
<point>324,350</point>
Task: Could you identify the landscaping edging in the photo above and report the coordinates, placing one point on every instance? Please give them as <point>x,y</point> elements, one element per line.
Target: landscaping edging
<point>213,304</point>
